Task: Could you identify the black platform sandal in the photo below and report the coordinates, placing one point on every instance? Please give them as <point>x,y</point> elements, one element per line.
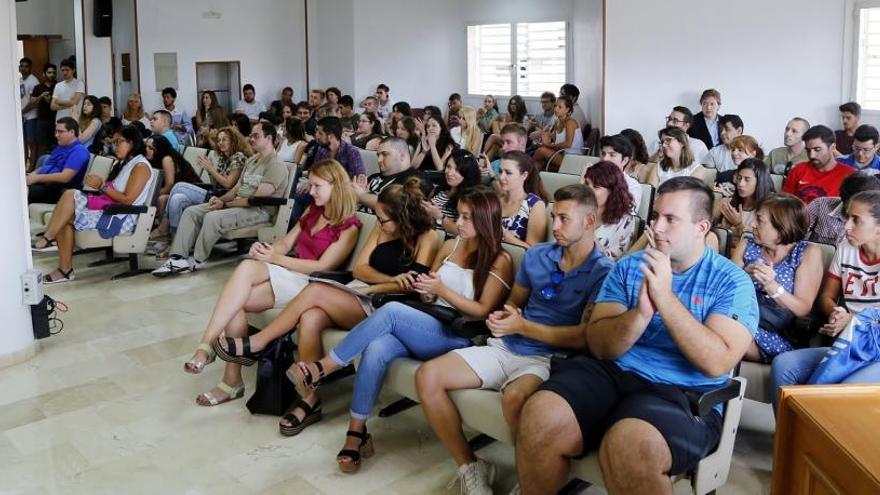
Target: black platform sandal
<point>365,450</point>
<point>313,415</point>
<point>245,358</point>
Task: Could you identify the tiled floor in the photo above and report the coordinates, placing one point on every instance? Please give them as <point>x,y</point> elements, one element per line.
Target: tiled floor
<point>105,407</point>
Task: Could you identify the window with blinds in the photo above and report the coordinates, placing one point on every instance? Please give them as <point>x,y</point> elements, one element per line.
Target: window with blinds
<point>539,49</point>
<point>868,78</point>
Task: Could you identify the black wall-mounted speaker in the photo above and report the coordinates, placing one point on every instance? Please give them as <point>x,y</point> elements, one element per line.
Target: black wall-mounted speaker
<point>103,21</point>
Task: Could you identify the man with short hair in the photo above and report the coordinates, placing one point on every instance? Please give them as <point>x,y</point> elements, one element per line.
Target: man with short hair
<point>64,169</point>
<point>821,175</point>
<point>669,321</point>
<point>545,120</point>
<point>546,313</point>
<point>160,123</point>
<point>719,156</point>
<point>68,94</point>
<point>706,125</point>
<point>828,214</point>
<point>681,117</point>
<point>383,97</point>
<point>305,114</point>
<point>26,84</point>
<point>850,113</point>
<point>181,125</point>
<point>513,138</point>
<point>250,105</point>
<point>45,115</point>
<point>618,150</point>
<point>864,151</point>
<point>201,226</point>
<point>316,100</point>
<point>347,114</point>
<point>781,159</point>
<point>331,146</point>
<point>453,107</point>
<point>577,113</point>
<point>395,167</point>
<point>276,106</point>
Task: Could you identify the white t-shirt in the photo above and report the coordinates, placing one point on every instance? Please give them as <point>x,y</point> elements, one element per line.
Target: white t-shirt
<point>25,88</point>
<point>65,90</point>
<point>252,110</point>
<point>720,158</point>
<point>698,148</point>
<point>858,277</point>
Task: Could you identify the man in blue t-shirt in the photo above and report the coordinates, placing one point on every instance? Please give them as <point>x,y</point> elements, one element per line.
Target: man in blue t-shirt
<point>673,318</point>
<point>556,285</point>
<point>64,169</point>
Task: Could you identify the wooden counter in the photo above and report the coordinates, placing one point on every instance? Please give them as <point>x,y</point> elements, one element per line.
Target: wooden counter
<point>827,441</point>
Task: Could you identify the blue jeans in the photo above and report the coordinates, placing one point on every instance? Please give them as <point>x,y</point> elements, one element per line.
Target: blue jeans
<point>795,368</point>
<point>393,331</point>
<point>182,196</point>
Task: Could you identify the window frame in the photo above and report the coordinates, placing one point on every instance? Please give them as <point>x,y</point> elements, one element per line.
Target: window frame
<point>852,33</point>
<point>569,57</point>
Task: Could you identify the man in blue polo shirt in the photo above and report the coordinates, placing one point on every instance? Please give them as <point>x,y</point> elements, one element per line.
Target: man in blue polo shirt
<point>556,285</point>
<point>65,167</point>
<point>671,319</point>
<point>864,151</point>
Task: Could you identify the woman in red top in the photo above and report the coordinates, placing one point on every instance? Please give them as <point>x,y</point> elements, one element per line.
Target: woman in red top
<point>321,241</point>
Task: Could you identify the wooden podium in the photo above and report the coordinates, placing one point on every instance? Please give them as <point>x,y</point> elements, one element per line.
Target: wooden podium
<point>827,441</point>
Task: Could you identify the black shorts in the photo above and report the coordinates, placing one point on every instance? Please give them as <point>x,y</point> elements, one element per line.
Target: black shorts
<point>601,394</point>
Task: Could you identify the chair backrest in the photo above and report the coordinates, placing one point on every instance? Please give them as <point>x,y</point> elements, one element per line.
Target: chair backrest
<point>638,230</point>
<point>646,203</point>
<point>371,161</point>
<point>516,254</point>
<point>368,222</point>
<point>99,166</point>
<point>292,177</point>
<point>550,221</point>
<point>575,164</point>
<point>192,154</point>
<point>553,181</point>
<point>724,236</point>
<point>827,254</point>
<point>777,181</point>
<point>709,175</point>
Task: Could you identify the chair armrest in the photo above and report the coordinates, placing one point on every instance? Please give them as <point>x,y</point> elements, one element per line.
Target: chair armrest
<point>702,403</point>
<point>470,327</point>
<point>380,300</point>
<point>124,209</point>
<point>341,276</point>
<point>266,201</point>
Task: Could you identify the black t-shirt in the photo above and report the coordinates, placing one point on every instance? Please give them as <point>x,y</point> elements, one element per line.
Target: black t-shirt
<point>377,182</point>
<point>44,111</point>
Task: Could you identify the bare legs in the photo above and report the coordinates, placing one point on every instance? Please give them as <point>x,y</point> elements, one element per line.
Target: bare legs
<point>60,229</point>
<point>543,154</point>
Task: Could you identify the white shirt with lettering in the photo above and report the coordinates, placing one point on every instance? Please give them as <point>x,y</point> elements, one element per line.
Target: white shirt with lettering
<point>858,277</point>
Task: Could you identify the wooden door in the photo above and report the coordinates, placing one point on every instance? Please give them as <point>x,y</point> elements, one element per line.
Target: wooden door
<point>36,48</point>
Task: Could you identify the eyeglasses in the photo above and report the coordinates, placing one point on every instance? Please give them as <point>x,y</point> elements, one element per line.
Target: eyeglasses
<point>383,221</point>
<point>864,151</point>
<point>672,119</point>
<point>550,291</point>
<point>117,142</point>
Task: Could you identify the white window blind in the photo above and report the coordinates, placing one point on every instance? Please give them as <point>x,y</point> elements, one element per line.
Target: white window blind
<point>489,59</point>
<point>540,54</point>
<point>868,78</point>
<point>539,49</point>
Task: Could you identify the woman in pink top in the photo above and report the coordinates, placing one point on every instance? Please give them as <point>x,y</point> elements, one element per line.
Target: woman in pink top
<point>321,241</point>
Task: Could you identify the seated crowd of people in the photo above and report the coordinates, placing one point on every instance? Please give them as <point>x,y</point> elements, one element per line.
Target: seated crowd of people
<point>643,317</point>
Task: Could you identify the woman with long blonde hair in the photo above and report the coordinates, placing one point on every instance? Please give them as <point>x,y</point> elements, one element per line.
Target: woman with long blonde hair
<point>134,111</point>
<point>322,240</point>
<point>468,134</point>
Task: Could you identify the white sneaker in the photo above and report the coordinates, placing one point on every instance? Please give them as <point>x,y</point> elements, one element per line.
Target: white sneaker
<point>476,478</point>
<point>196,264</point>
<point>173,266</point>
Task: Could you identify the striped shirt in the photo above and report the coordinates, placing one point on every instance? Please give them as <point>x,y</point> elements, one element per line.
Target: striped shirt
<point>827,220</point>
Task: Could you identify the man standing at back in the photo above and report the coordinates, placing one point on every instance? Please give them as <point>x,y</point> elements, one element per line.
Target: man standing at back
<point>68,94</point>
<point>668,321</point>
<point>26,84</point>
<point>822,174</point>
<point>45,115</point>
<point>706,126</point>
<point>181,125</point>
<point>850,114</point>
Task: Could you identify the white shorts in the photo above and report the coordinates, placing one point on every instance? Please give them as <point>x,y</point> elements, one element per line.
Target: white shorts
<point>497,366</point>
<point>286,284</point>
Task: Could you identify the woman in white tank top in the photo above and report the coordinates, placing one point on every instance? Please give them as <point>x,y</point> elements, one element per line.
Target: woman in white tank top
<point>471,274</point>
<point>566,137</point>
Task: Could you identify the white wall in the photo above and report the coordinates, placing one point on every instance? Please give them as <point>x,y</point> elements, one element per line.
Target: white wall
<point>264,35</point>
<point>331,45</point>
<point>419,47</point>
<point>45,17</point>
<point>123,41</point>
<point>770,61</point>
<point>98,75</point>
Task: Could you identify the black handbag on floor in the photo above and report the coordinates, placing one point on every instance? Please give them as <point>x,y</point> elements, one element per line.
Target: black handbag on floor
<point>274,393</point>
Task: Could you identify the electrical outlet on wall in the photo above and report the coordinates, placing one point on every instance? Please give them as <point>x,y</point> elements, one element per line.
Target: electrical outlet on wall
<point>31,287</point>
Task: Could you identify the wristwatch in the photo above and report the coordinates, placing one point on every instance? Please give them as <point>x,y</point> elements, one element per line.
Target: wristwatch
<point>780,290</point>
